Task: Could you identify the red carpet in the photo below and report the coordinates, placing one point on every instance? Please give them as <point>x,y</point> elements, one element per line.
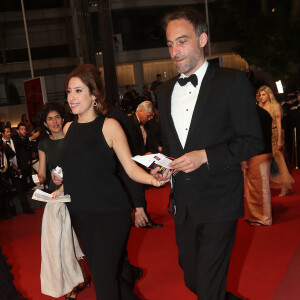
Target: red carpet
<point>265,263</point>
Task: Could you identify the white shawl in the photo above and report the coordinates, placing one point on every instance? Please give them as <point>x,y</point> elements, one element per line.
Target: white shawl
<point>60,271</point>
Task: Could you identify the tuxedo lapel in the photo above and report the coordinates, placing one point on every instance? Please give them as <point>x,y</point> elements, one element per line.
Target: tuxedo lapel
<point>203,96</point>
<point>169,90</point>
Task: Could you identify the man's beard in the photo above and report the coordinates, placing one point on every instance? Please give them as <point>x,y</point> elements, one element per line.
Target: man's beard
<point>189,64</point>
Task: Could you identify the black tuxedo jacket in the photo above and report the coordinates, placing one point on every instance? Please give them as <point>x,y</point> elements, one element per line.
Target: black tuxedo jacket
<point>137,140</point>
<point>225,124</point>
<point>24,148</point>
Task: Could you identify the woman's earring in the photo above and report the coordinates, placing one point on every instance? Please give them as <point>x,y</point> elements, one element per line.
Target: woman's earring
<point>94,103</point>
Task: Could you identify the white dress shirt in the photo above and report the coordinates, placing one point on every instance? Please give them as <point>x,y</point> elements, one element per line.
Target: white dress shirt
<point>183,102</point>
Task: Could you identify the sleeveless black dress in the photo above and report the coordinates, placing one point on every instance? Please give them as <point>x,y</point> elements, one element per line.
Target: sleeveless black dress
<point>89,170</point>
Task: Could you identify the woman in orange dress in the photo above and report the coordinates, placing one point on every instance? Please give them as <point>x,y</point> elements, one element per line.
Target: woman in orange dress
<point>257,171</point>
<point>267,101</point>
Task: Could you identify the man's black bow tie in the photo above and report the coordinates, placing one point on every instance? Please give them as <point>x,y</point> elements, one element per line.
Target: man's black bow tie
<point>192,78</point>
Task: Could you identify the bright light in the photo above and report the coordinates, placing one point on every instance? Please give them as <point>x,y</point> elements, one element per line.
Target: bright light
<point>279,87</point>
<point>273,10</point>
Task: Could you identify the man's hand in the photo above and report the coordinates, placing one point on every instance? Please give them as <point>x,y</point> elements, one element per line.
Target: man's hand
<point>140,217</point>
<point>34,135</point>
<point>190,161</point>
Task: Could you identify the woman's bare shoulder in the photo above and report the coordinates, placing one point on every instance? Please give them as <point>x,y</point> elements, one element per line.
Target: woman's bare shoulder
<point>66,127</point>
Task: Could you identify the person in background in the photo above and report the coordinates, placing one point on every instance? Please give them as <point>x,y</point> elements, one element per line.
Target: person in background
<point>154,86</point>
<point>99,205</point>
<point>257,173</point>
<point>27,123</point>
<point>209,125</point>
<point>49,149</point>
<point>290,122</point>
<point>139,143</point>
<point>2,120</point>
<point>26,150</point>
<point>5,187</point>
<point>18,154</point>
<point>267,101</point>
<point>127,103</point>
<point>146,94</point>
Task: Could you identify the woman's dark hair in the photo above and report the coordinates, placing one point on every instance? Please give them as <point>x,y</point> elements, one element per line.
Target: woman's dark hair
<point>90,76</point>
<point>191,15</point>
<point>47,108</point>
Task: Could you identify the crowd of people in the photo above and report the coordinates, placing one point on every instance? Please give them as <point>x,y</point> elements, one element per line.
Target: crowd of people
<point>17,150</point>
<point>227,148</point>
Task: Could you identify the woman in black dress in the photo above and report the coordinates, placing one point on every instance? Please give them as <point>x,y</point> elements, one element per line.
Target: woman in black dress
<point>99,206</point>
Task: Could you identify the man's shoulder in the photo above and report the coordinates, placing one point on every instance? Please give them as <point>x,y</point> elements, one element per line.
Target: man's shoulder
<point>224,71</point>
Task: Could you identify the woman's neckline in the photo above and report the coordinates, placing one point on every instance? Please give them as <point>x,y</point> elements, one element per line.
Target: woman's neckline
<point>54,139</point>
<point>86,123</point>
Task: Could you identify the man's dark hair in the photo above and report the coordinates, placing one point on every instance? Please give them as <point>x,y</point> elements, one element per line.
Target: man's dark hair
<point>21,124</point>
<point>157,75</point>
<point>191,15</point>
<point>3,127</point>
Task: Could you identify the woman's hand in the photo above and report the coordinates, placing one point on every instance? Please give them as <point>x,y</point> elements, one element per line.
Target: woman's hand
<point>160,179</point>
<point>279,145</point>
<point>56,180</point>
<point>41,180</point>
<point>59,192</point>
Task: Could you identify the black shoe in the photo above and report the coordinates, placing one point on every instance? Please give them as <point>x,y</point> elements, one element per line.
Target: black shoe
<point>151,224</point>
<point>71,296</point>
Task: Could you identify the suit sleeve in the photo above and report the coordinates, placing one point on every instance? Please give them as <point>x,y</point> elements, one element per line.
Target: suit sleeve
<point>247,140</point>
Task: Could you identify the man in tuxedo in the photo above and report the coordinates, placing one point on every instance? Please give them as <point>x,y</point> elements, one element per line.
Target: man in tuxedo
<point>291,120</point>
<point>140,144</point>
<point>18,151</point>
<point>209,125</point>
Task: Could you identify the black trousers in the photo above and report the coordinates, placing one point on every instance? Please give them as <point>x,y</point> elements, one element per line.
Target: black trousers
<point>104,237</point>
<point>204,254</point>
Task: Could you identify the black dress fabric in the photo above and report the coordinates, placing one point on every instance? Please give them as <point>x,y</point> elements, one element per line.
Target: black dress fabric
<point>52,150</point>
<point>89,170</point>
<point>99,207</point>
<point>8,290</point>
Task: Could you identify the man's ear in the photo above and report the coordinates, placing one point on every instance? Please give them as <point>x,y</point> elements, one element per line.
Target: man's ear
<point>203,39</point>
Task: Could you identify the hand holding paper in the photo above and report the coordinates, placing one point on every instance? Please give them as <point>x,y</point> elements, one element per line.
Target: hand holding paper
<point>46,197</point>
<point>152,161</point>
